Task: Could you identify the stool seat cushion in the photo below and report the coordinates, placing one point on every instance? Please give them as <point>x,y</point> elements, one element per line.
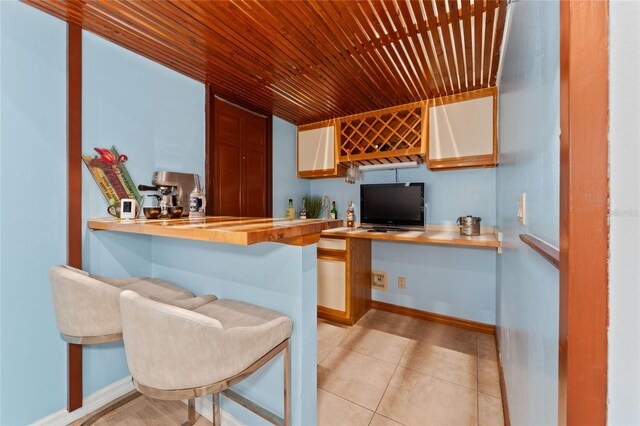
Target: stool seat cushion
<point>233,313</point>
<point>171,348</point>
<point>88,305</point>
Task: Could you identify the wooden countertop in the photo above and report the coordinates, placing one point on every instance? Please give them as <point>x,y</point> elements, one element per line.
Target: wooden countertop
<point>224,229</point>
<point>447,235</point>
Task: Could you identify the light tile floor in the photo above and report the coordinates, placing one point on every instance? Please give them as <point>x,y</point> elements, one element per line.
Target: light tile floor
<point>387,370</point>
<point>391,369</point>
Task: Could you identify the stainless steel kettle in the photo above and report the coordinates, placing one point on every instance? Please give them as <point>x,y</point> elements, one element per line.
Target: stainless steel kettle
<point>469,225</point>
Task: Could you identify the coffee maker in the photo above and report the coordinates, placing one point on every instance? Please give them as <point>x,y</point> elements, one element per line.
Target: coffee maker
<point>174,189</point>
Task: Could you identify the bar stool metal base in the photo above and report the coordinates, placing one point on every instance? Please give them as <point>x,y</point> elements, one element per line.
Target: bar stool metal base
<point>117,403</point>
<point>223,387</point>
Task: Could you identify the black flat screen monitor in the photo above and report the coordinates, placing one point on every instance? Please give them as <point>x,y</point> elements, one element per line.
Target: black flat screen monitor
<point>392,205</point>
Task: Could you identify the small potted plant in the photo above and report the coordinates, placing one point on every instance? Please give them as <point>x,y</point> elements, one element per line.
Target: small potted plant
<point>314,205</point>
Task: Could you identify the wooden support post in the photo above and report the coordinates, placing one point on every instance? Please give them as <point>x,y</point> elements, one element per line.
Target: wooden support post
<point>584,199</point>
<point>74,194</point>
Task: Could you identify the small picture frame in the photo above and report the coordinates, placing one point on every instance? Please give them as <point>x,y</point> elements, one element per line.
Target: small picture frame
<point>128,208</point>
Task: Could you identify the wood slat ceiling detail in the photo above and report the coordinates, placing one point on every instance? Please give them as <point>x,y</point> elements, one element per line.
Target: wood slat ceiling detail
<point>307,61</point>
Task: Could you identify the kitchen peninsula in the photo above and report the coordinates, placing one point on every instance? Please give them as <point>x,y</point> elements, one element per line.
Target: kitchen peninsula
<point>267,262</point>
<point>224,229</point>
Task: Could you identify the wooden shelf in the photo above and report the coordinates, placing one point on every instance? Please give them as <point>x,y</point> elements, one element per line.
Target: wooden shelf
<point>436,236</point>
<point>224,229</point>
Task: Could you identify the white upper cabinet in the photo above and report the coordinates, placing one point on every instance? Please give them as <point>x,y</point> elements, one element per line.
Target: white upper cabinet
<point>462,130</point>
<point>317,146</point>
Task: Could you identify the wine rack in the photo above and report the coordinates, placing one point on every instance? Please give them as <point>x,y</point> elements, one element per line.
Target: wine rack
<point>389,135</point>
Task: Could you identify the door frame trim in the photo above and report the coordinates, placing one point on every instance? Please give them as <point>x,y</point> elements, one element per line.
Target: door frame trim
<point>584,205</point>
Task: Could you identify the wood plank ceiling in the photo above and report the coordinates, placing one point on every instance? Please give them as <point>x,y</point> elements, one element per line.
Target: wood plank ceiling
<point>307,61</point>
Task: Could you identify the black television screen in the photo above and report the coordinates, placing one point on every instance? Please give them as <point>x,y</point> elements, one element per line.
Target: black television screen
<point>392,205</point>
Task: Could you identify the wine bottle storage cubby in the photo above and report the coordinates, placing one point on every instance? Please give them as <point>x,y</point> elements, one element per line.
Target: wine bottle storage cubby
<point>385,136</point>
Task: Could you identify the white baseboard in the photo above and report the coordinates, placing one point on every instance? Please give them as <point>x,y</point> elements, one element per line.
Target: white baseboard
<point>89,404</point>
<point>113,391</point>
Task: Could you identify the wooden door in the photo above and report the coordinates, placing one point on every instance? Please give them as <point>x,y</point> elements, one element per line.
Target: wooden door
<point>241,162</point>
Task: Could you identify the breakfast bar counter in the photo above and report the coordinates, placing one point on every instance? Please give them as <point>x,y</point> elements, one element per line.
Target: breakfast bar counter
<point>224,229</point>
<point>267,262</point>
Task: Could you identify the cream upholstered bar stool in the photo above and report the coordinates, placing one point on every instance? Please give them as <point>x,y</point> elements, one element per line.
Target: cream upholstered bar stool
<point>87,308</point>
<point>177,354</point>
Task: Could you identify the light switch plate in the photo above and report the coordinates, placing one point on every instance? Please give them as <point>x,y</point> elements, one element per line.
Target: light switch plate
<point>522,209</point>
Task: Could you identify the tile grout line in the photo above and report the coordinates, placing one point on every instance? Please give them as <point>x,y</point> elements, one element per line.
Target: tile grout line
<point>388,383</point>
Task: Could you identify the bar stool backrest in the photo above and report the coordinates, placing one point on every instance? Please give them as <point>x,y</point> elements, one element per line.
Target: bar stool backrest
<point>84,306</point>
<point>172,348</point>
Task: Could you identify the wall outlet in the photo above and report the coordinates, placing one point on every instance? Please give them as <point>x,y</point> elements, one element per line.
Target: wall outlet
<point>402,282</point>
<point>379,280</point>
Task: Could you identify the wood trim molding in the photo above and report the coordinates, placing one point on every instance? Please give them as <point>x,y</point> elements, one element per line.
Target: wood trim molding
<point>332,254</point>
<point>269,161</point>
<point>442,164</point>
<point>503,385</point>
<point>334,315</point>
<point>74,195</point>
<point>548,252</point>
<point>465,96</point>
<point>584,229</point>
<point>209,119</point>
<point>478,327</point>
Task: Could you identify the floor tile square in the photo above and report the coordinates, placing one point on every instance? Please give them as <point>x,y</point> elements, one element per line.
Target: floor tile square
<point>336,411</point>
<point>446,336</point>
<point>358,378</point>
<point>389,322</point>
<point>413,398</point>
<point>332,333</point>
<point>456,367</point>
<point>379,420</point>
<point>489,377</point>
<point>490,411</point>
<point>375,343</point>
<point>324,349</point>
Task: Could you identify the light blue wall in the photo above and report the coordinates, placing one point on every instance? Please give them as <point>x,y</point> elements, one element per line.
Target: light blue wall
<point>455,281</point>
<point>156,117</point>
<point>624,243</point>
<point>285,183</point>
<point>33,209</point>
<point>529,162</point>
<point>274,276</point>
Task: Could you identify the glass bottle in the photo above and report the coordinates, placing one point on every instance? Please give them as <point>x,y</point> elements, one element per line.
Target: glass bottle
<point>290,211</point>
<point>351,215</point>
<point>334,211</point>
<point>303,210</point>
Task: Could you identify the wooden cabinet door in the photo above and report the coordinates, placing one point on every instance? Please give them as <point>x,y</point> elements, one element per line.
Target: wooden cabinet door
<point>241,159</point>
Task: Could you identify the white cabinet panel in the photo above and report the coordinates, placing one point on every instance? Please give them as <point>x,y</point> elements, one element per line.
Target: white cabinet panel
<point>462,130</point>
<point>331,284</point>
<point>316,149</point>
<point>333,243</point>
